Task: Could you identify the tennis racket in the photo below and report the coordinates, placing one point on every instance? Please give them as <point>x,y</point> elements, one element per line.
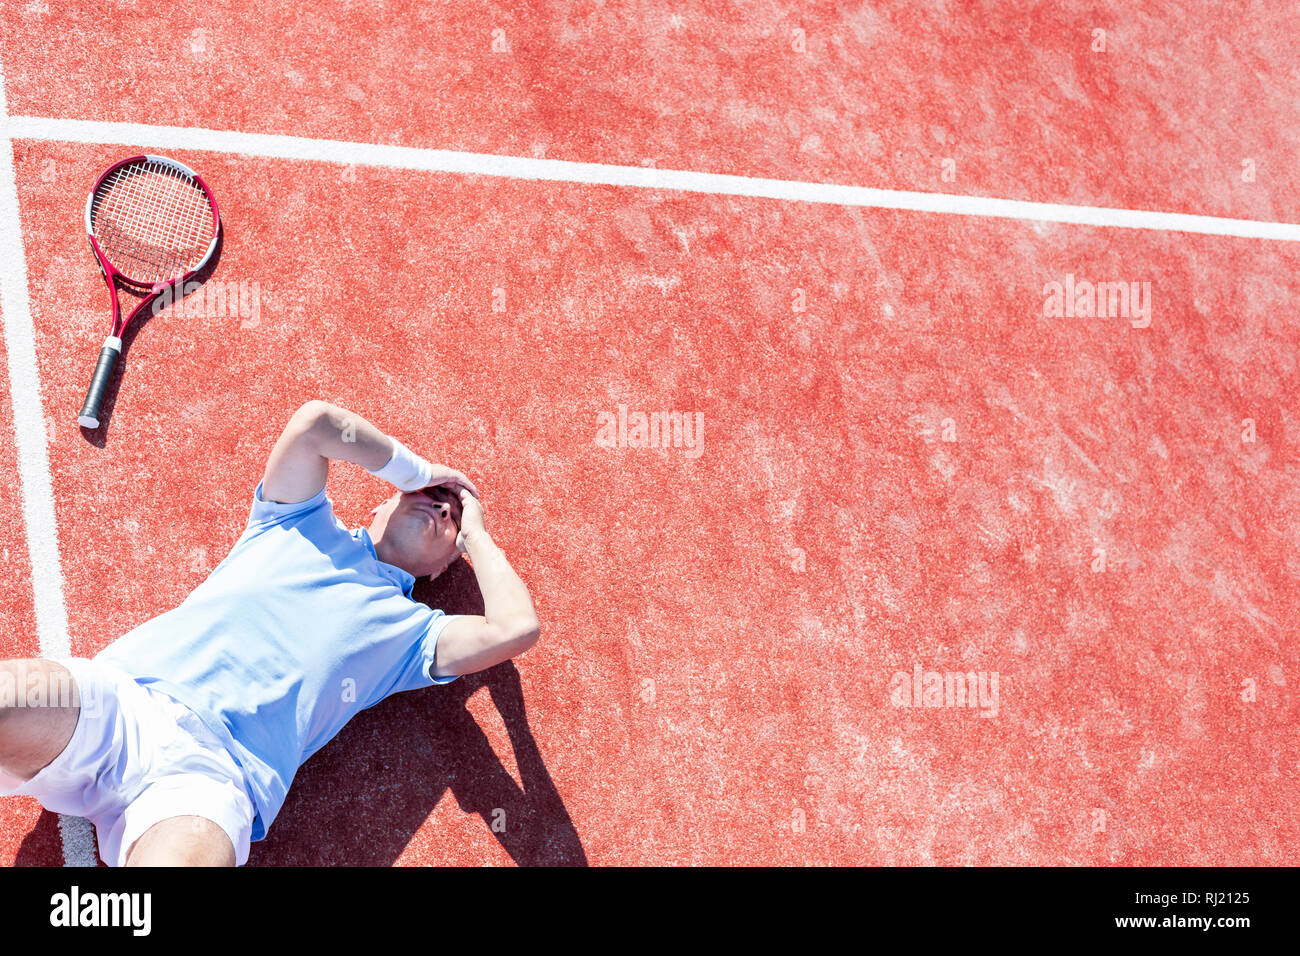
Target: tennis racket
<point>152,223</point>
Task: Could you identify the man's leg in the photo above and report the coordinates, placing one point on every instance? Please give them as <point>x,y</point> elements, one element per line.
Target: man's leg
<point>33,734</point>
<point>182,841</point>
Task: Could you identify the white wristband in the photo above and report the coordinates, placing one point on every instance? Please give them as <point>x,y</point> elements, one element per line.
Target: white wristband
<point>405,470</point>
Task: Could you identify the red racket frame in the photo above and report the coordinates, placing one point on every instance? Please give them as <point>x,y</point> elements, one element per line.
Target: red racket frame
<point>88,417</point>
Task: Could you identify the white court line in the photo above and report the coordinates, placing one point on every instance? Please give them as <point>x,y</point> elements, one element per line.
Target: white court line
<point>33,461</point>
<point>555,170</point>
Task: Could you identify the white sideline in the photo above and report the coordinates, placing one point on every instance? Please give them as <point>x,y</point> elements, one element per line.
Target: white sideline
<point>556,170</point>
<point>78,836</point>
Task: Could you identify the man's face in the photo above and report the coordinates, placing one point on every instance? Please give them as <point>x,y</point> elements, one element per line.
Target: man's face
<point>416,530</point>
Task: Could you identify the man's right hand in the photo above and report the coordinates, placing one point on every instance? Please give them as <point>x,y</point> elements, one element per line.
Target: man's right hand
<point>472,524</point>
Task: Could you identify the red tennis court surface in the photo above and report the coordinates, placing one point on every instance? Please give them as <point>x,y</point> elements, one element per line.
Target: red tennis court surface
<point>905,464</point>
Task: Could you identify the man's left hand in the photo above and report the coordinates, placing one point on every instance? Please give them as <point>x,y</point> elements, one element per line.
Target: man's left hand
<point>450,477</point>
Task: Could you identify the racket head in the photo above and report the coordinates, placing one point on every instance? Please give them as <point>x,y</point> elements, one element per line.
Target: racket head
<point>152,221</point>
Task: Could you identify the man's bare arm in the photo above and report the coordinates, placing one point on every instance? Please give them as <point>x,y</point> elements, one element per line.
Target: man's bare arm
<point>509,625</point>
<point>318,432</point>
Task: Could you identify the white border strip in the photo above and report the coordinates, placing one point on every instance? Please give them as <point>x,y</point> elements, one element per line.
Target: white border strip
<point>33,460</point>
<point>519,167</point>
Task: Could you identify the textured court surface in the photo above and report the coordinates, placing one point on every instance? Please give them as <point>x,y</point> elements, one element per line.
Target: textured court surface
<point>904,463</point>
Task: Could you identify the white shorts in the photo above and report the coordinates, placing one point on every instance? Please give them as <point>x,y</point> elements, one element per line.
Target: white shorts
<point>138,757</point>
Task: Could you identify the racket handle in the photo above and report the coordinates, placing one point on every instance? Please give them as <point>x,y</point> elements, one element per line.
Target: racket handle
<point>89,415</point>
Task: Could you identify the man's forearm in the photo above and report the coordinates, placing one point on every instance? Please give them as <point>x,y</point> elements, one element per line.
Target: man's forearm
<point>506,602</point>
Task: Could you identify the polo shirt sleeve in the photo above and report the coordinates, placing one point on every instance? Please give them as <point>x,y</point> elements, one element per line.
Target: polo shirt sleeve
<point>265,514</point>
<point>429,647</point>
<point>414,672</point>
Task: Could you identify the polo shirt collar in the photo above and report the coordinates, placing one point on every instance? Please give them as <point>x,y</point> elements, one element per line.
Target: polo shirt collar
<point>404,580</point>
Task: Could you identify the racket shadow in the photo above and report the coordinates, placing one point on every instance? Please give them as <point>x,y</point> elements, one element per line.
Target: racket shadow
<point>361,799</point>
<point>99,436</point>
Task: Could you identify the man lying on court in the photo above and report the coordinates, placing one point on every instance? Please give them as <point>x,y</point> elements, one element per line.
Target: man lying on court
<point>184,735</point>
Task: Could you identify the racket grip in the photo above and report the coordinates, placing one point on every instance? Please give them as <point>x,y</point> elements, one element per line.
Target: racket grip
<point>88,417</point>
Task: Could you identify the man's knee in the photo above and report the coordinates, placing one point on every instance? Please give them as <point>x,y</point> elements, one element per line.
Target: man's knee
<point>39,708</point>
<point>182,841</point>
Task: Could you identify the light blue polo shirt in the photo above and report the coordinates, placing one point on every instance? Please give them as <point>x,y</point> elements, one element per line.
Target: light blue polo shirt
<point>298,630</point>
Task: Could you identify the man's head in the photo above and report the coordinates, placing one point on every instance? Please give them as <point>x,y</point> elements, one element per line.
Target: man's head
<point>416,530</point>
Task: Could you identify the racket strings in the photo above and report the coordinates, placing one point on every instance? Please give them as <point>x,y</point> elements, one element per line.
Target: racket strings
<point>149,227</point>
<point>152,221</point>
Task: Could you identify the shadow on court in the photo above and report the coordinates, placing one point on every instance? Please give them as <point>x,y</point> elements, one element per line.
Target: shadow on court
<point>43,845</point>
<point>360,800</point>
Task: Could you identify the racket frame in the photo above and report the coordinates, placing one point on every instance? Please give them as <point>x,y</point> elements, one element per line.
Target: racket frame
<point>89,415</point>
